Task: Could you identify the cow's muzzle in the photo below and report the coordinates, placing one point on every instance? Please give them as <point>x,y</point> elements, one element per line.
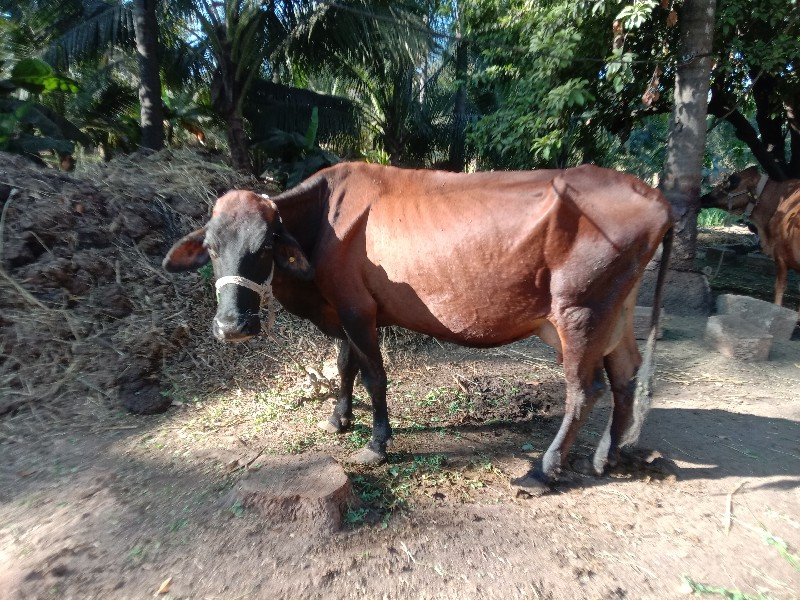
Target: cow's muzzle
<point>236,329</point>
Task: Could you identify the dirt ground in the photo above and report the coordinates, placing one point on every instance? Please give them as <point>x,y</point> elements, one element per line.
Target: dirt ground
<point>98,503</point>
<point>112,507</point>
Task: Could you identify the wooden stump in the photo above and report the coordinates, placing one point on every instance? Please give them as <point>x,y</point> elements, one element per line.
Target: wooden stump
<point>310,489</point>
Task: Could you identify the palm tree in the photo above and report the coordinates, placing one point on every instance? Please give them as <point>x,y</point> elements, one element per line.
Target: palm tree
<point>147,50</point>
<point>290,41</point>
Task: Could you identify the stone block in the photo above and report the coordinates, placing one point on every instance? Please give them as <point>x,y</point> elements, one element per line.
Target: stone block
<point>771,318</point>
<point>736,338</point>
<point>641,322</point>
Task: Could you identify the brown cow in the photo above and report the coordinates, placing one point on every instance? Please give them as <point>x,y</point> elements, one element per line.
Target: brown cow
<point>479,259</point>
<point>773,207</point>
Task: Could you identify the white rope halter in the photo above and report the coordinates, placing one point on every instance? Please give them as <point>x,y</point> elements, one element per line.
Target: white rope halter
<point>754,198</point>
<point>263,290</point>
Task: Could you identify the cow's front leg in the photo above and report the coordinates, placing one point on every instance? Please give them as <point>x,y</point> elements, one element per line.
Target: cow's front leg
<point>342,414</point>
<point>362,332</point>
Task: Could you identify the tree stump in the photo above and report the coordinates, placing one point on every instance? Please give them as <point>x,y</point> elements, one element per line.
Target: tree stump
<point>310,489</point>
<point>685,293</point>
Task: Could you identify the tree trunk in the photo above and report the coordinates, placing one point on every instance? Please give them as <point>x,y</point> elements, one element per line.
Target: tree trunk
<point>458,155</point>
<point>681,177</point>
<point>152,119</point>
<point>237,140</point>
<point>226,99</point>
<point>769,115</point>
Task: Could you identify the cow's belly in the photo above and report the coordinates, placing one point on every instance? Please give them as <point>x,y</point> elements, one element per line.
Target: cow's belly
<point>473,316</point>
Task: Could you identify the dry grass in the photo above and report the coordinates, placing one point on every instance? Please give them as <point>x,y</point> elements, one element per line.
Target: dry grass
<point>61,347</point>
<point>63,350</point>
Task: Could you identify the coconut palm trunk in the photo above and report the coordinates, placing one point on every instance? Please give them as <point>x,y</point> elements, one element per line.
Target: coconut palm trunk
<point>151,119</point>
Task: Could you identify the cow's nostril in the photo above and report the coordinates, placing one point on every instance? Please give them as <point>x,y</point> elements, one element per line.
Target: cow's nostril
<point>249,324</point>
<point>236,330</point>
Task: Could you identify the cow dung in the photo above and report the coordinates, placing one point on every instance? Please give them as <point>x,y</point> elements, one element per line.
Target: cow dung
<point>311,490</point>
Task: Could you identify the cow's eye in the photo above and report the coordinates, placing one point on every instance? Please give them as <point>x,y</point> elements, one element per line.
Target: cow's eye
<point>733,182</point>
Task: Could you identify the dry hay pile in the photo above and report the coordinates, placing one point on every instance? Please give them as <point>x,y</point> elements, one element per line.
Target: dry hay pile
<point>87,316</point>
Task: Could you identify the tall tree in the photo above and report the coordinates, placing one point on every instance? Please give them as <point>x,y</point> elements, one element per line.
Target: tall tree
<point>458,155</point>
<point>287,41</point>
<point>758,58</point>
<point>147,51</point>
<point>687,136</point>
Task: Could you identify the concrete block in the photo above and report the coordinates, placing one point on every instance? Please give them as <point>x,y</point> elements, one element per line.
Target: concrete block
<point>771,318</point>
<point>736,338</point>
<point>641,322</point>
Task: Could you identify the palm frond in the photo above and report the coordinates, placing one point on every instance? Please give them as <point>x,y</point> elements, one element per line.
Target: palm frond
<point>104,25</point>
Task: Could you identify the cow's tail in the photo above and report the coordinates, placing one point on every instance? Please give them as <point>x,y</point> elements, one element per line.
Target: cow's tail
<point>643,395</point>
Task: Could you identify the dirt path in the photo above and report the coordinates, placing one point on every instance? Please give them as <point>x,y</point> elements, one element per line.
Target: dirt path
<point>111,506</point>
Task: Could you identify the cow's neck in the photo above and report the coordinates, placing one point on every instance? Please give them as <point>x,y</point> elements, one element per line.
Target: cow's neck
<point>764,211</point>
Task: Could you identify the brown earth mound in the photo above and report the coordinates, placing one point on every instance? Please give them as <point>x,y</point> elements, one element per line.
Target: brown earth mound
<point>85,308</point>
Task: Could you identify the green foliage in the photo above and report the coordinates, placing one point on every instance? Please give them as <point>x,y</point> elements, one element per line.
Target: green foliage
<point>311,132</point>
<point>293,157</point>
<point>38,77</point>
<point>534,97</point>
<point>714,217</point>
<point>709,590</point>
<point>783,549</point>
<point>26,126</point>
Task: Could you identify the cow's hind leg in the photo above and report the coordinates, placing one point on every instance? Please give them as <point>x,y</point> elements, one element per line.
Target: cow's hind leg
<point>621,366</point>
<point>343,411</point>
<point>585,383</point>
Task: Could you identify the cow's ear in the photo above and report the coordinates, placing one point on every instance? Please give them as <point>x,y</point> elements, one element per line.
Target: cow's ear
<point>290,257</point>
<point>188,253</point>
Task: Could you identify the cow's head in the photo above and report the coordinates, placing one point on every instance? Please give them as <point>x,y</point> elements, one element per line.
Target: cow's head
<point>244,240</point>
<point>736,191</point>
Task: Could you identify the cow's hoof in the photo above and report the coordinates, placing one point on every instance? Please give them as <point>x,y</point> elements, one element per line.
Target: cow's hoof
<point>650,464</point>
<point>328,426</point>
<point>584,466</point>
<point>334,424</point>
<point>367,456</point>
<point>531,485</point>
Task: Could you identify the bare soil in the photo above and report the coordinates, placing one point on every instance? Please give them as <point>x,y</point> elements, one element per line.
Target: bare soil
<point>96,502</point>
